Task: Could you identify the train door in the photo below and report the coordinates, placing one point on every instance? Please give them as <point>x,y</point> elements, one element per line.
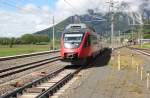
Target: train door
<point>87,46</point>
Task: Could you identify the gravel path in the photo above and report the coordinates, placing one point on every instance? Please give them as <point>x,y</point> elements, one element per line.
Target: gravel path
<point>107,82</point>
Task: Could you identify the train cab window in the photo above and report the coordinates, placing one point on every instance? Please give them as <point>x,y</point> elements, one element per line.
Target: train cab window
<point>72,40</point>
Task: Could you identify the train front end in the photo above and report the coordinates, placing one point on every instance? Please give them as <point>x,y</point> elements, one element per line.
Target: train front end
<point>70,46</point>
<point>72,42</point>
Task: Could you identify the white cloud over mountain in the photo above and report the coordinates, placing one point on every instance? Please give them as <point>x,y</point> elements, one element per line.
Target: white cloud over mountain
<point>31,18</point>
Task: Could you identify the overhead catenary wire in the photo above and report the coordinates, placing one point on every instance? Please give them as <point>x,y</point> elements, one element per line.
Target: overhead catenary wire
<point>10,4</point>
<point>18,2</point>
<point>75,10</point>
<point>15,4</point>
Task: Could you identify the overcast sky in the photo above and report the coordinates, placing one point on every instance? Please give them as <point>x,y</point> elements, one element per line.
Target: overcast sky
<point>18,17</point>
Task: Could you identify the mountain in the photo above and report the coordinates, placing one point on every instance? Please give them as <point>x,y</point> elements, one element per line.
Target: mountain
<point>101,23</point>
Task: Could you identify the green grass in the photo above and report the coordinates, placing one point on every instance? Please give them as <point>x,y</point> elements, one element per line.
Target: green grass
<point>144,46</point>
<point>147,36</point>
<point>22,49</point>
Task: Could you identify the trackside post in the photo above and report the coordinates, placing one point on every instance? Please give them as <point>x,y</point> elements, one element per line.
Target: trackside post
<point>119,67</point>
<point>141,73</point>
<point>147,79</point>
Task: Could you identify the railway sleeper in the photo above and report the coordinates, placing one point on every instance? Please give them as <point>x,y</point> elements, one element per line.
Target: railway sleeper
<point>35,90</point>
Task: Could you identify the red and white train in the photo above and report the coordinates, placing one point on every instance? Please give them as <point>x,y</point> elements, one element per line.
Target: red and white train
<point>79,43</point>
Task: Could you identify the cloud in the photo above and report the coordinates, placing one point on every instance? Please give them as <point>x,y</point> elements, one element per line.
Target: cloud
<point>31,18</point>
<point>65,8</point>
<point>29,8</point>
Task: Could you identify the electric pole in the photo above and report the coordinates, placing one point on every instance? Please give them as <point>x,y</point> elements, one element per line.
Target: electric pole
<point>111,8</point>
<point>112,29</point>
<point>119,38</point>
<point>53,33</point>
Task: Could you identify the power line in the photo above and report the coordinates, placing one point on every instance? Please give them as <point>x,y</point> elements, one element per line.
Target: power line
<point>9,4</point>
<point>19,2</point>
<point>75,10</point>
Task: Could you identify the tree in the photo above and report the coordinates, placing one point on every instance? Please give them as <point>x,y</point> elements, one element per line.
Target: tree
<point>41,38</point>
<point>11,42</point>
<point>4,41</point>
<point>27,39</point>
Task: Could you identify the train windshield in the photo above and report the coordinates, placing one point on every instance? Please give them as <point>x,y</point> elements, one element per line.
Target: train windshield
<point>72,40</point>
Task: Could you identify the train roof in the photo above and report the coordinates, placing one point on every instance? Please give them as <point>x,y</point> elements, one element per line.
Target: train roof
<point>81,26</point>
<point>77,28</point>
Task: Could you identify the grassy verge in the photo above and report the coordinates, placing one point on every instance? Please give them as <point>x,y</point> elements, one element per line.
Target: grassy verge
<point>126,60</point>
<point>128,82</point>
<point>22,49</point>
<point>144,46</point>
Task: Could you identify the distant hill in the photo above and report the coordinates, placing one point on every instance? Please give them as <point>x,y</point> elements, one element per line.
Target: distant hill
<point>58,29</point>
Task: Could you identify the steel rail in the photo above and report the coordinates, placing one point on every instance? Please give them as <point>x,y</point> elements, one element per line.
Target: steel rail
<point>140,49</point>
<point>45,93</point>
<point>120,47</point>
<point>143,51</point>
<point>20,90</point>
<point>15,70</point>
<point>28,64</point>
<point>58,85</point>
<point>26,55</point>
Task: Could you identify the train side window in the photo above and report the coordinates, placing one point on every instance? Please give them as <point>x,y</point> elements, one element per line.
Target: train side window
<point>88,42</point>
<point>94,39</point>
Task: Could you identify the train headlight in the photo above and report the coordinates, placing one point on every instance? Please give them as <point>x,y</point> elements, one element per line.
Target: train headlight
<point>77,44</point>
<point>67,45</point>
<point>71,45</point>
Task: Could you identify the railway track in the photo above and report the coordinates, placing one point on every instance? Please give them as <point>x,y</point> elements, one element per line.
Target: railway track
<point>17,69</point>
<point>45,86</point>
<point>26,55</point>
<point>143,51</point>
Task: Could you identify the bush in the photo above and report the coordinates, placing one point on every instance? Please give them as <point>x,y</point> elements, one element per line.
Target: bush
<point>26,39</point>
